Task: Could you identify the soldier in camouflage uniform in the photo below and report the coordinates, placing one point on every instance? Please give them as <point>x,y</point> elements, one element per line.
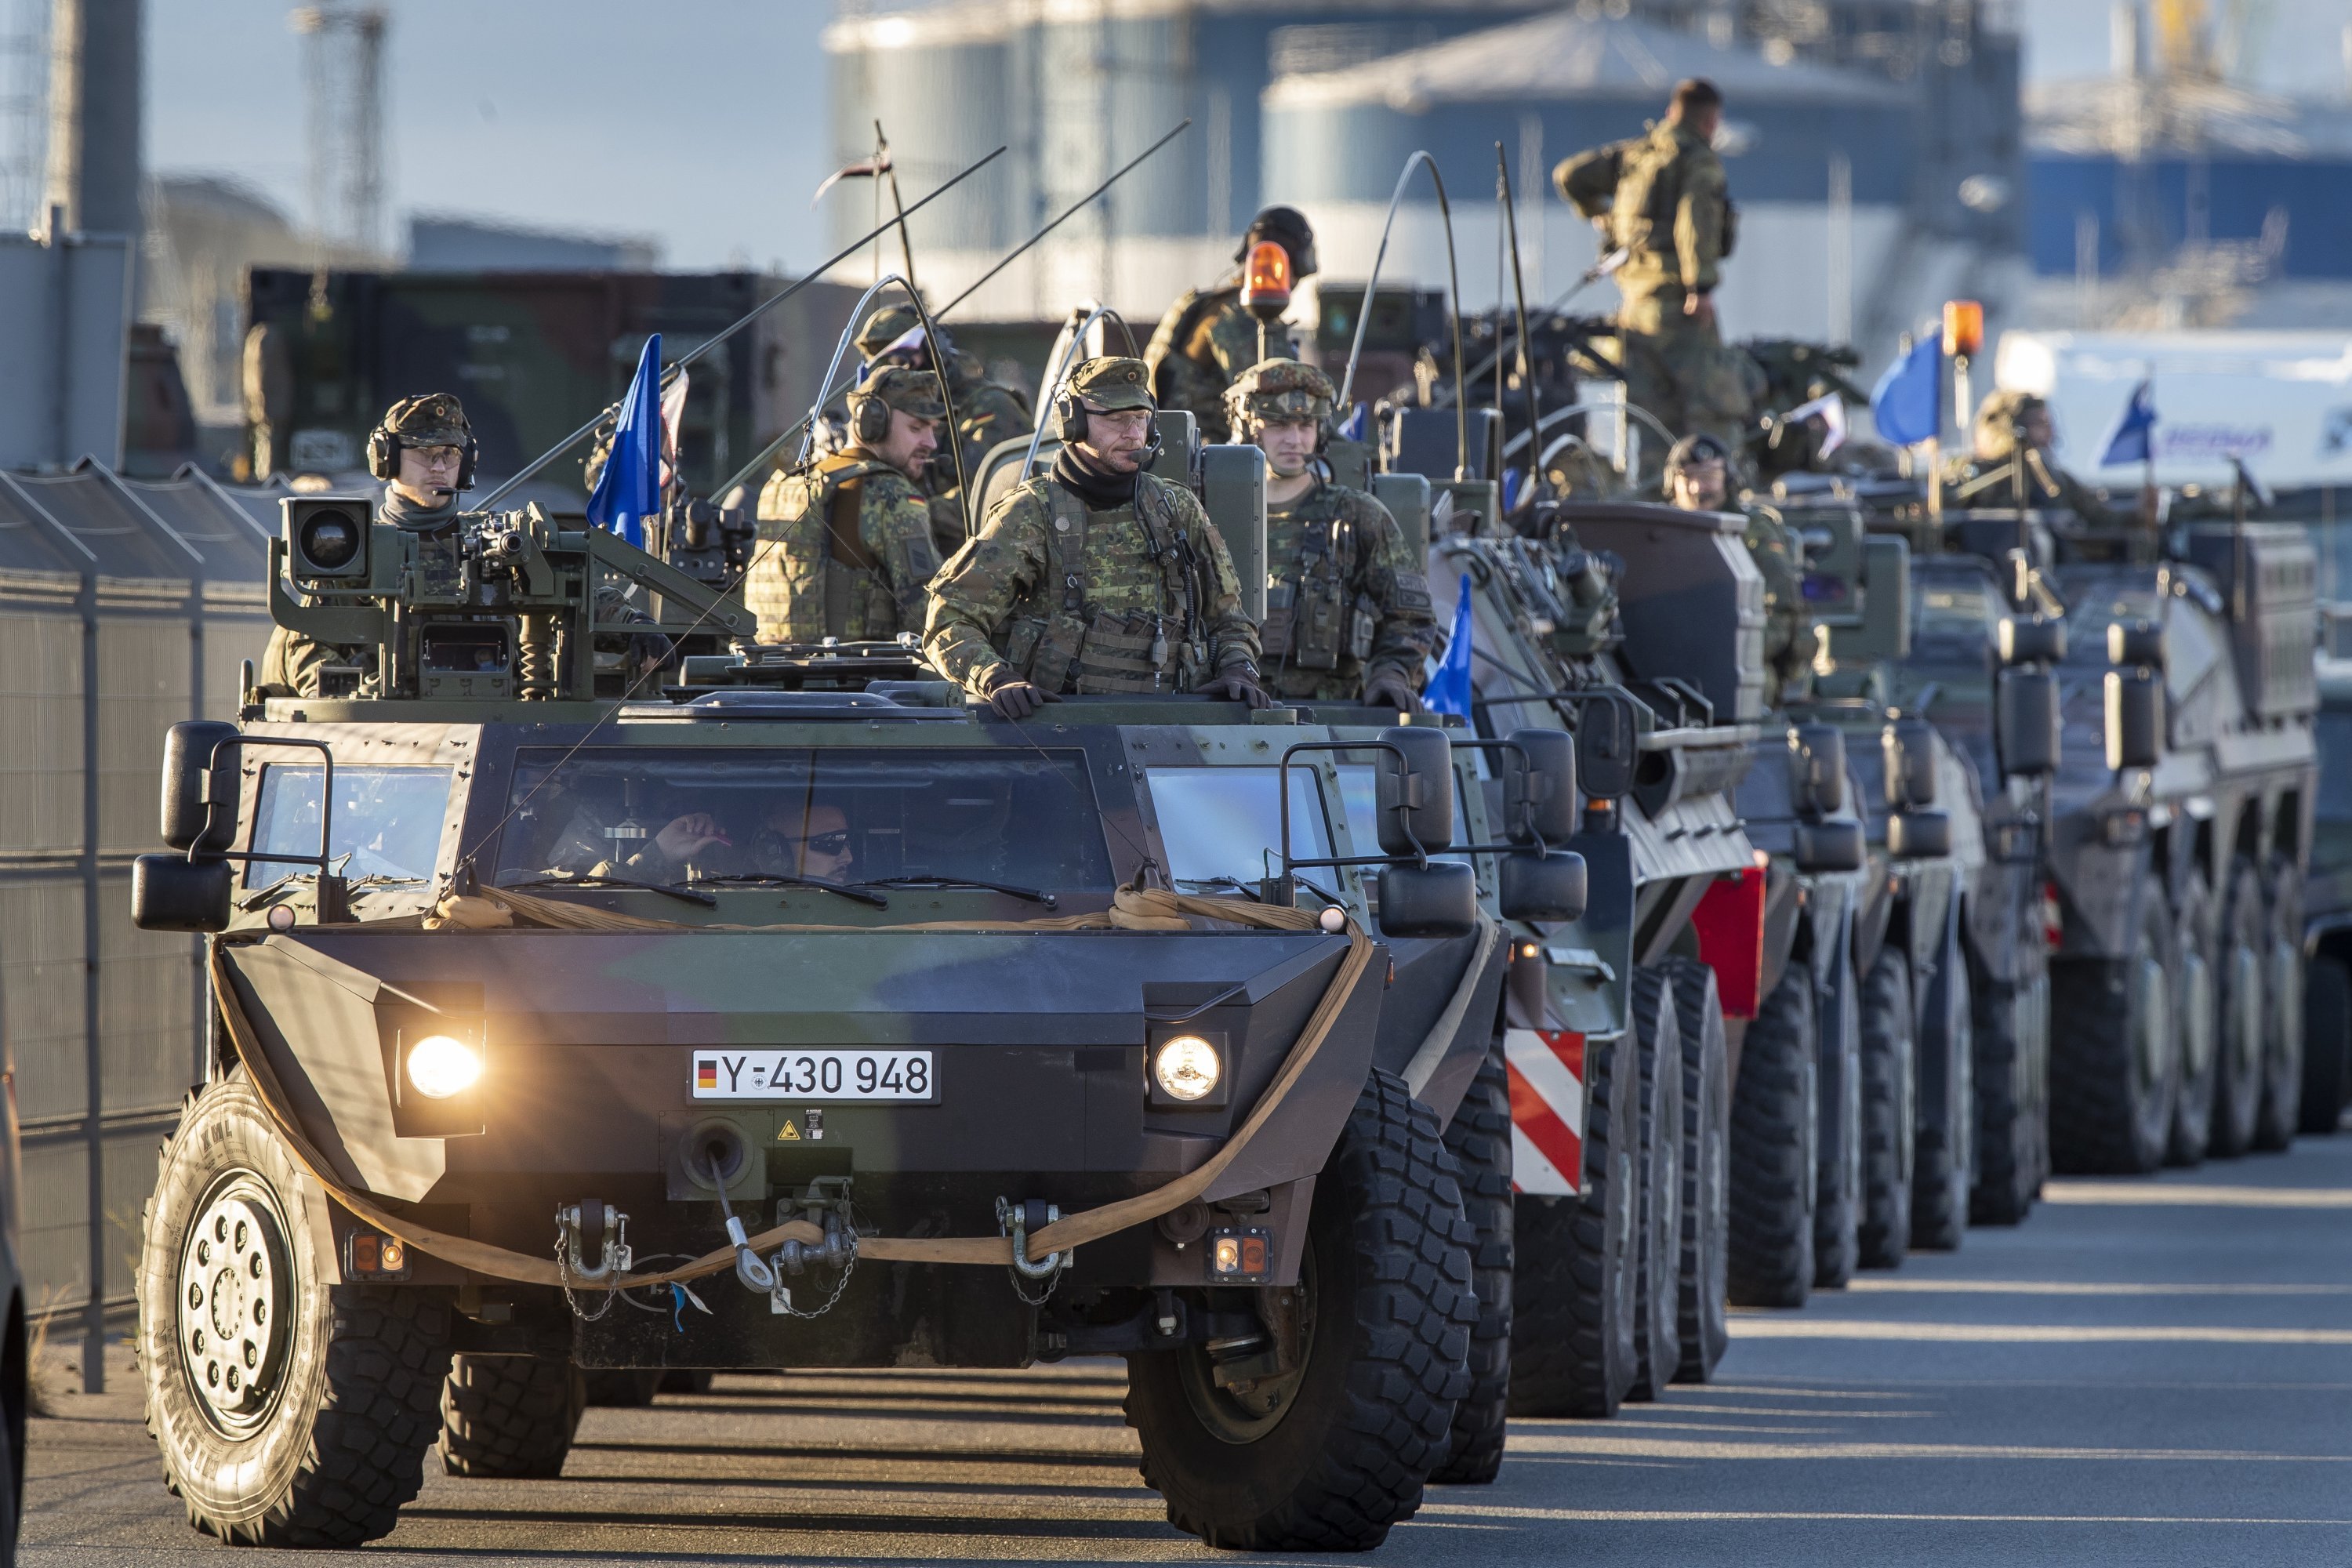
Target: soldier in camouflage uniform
<point>423,450</point>
<point>2013,432</point>
<point>1098,577</point>
<point>1348,613</point>
<point>1207,338</point>
<point>1661,197</point>
<point>986,412</point>
<point>1697,481</point>
<point>845,544</point>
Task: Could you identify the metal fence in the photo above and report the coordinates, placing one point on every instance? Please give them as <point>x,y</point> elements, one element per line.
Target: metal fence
<point>124,605</point>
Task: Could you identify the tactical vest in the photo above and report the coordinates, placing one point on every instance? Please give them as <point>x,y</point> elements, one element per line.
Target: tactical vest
<point>1313,620</point>
<point>813,576</point>
<point>1061,640</point>
<point>1649,192</point>
<point>1174,333</point>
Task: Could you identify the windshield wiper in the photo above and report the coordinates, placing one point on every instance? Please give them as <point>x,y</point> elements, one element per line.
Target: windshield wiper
<point>1032,894</point>
<point>596,879</point>
<point>783,879</point>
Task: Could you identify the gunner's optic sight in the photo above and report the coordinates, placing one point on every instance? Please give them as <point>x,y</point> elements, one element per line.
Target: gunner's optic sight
<point>326,536</point>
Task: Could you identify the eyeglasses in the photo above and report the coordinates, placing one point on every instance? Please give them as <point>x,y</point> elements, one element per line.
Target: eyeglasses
<point>436,455</point>
<point>833,843</point>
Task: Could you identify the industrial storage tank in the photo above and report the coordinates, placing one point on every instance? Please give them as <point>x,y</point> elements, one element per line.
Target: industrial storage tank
<point>1820,159</point>
<point>1073,90</point>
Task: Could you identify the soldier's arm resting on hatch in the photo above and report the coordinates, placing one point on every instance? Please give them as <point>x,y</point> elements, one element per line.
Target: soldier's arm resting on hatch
<point>1699,227</point>
<point>895,523</point>
<point>1587,182</point>
<point>1407,630</point>
<point>974,594</point>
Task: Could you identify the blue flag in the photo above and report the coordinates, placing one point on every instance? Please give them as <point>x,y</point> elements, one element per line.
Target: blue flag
<point>1449,688</point>
<point>629,489</point>
<point>1908,401</point>
<point>2132,438</point>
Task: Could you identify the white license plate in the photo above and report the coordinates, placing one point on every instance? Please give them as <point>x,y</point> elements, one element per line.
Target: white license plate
<point>814,1075</point>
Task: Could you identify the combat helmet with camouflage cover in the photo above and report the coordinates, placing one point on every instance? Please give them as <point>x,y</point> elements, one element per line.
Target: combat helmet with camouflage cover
<point>1279,389</point>
<point>885,328</point>
<point>1997,420</point>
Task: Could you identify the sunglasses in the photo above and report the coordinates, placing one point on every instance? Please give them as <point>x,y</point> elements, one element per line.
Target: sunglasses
<point>833,843</point>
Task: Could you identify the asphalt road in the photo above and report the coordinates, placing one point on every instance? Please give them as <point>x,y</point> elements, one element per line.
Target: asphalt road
<point>2146,1372</point>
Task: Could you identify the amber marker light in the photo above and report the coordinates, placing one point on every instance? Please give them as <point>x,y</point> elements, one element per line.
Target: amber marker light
<point>1265,282</point>
<point>1963,328</point>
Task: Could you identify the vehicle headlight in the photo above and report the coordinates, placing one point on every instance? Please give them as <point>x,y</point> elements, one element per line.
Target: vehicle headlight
<point>1187,1068</point>
<point>440,1065</point>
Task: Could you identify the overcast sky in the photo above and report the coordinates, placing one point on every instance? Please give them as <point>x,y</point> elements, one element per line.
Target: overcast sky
<point>700,122</point>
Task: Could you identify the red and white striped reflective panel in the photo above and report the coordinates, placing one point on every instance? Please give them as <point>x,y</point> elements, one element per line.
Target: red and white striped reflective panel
<point>1547,1072</point>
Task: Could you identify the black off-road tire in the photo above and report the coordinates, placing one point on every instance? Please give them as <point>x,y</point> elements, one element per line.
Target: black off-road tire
<point>1479,1138</point>
<point>1837,1210</point>
<point>2241,972</point>
<point>2326,1045</point>
<point>510,1416</point>
<point>622,1387</point>
<point>353,1402</point>
<point>2114,1053</point>
<point>1370,1416</point>
<point>1573,1322</point>
<point>1943,1160</point>
<point>1890,1110</point>
<point>1657,1291</point>
<point>2010,1077</point>
<point>1775,1150</point>
<point>2196,974</point>
<point>1701,1324</point>
<point>2283,1025</point>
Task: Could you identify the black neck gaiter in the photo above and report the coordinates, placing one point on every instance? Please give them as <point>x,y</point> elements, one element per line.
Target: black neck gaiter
<point>1093,483</point>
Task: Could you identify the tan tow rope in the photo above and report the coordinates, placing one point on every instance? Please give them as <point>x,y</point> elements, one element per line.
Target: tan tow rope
<point>1132,907</point>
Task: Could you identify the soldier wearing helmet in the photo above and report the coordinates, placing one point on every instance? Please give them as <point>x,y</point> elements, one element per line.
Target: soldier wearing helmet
<point>986,412</point>
<point>1098,577</point>
<point>423,450</point>
<point>1697,476</point>
<point>845,544</point>
<point>1347,606</point>
<point>1207,338</point>
<point>2010,464</point>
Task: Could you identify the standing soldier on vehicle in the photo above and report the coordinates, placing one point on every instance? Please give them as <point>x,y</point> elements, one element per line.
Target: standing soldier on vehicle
<point>1207,339</point>
<point>1697,480</point>
<point>2010,464</point>
<point>845,544</point>
<point>423,450</point>
<point>1098,577</point>
<point>1661,198</point>
<point>1348,612</point>
<point>986,412</point>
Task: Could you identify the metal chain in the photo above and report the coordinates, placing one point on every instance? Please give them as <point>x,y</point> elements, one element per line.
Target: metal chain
<point>563,1276</point>
<point>839,1285</point>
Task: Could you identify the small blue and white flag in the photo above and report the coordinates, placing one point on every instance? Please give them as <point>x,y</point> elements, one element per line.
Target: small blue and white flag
<point>1449,687</point>
<point>2132,437</point>
<point>628,492</point>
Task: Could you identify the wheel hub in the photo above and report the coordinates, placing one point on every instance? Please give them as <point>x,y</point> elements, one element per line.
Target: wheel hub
<point>232,1291</point>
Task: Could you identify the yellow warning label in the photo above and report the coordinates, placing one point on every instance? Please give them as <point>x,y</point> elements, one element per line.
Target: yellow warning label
<point>791,1132</point>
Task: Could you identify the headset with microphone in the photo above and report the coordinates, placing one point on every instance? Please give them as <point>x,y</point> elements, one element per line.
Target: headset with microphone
<point>1070,425</point>
<point>383,447</point>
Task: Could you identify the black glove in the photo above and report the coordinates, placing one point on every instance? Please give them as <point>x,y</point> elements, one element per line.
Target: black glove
<point>1012,698</point>
<point>1391,690</point>
<point>1235,686</point>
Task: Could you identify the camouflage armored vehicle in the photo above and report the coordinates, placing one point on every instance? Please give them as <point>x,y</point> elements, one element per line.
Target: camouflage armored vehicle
<point>803,1015</point>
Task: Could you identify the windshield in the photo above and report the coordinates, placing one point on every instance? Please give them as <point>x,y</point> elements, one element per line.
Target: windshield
<point>1223,825</point>
<point>654,814</point>
<point>387,821</point>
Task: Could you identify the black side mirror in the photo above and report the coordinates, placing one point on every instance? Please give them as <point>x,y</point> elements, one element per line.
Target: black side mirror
<point>1817,769</point>
<point>200,785</point>
<point>1908,748</point>
<point>2031,639</point>
<point>2025,721</point>
<point>1539,887</point>
<point>1919,834</point>
<point>1415,773</point>
<point>1439,900</point>
<point>1834,846</point>
<point>1539,768</point>
<point>2134,717</point>
<point>1606,744</point>
<point>172,893</point>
